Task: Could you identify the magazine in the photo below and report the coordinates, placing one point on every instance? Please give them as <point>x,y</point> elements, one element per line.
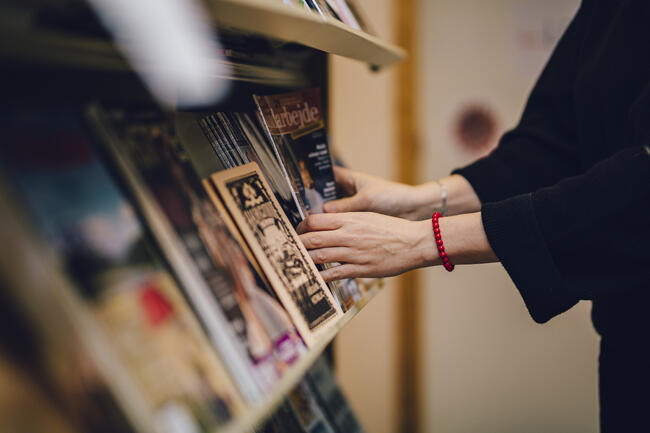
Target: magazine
<point>241,134</point>
<point>277,247</point>
<point>150,154</point>
<point>41,351</point>
<point>343,12</point>
<point>307,409</point>
<point>282,421</point>
<point>328,393</point>
<point>296,125</point>
<point>118,277</point>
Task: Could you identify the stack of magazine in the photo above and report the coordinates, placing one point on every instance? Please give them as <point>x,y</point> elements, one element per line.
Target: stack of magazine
<point>169,241</point>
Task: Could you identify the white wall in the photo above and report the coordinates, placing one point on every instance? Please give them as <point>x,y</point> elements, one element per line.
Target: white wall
<point>362,130</point>
<point>487,366</point>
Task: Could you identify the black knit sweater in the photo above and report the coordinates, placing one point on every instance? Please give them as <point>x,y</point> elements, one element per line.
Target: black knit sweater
<point>566,194</point>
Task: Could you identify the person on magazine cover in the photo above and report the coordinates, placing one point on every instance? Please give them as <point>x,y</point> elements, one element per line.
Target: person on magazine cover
<point>563,203</point>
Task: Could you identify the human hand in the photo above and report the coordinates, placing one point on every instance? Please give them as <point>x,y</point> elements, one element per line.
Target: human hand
<point>368,193</point>
<point>367,244</point>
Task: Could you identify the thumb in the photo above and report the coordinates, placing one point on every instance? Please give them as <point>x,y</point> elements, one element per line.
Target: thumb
<point>347,204</point>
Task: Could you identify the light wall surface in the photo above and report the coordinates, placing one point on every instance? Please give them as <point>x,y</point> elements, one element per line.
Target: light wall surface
<point>488,368</point>
<point>362,130</point>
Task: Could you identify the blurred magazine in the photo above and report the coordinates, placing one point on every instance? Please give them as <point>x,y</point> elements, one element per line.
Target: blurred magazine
<point>296,126</point>
<point>328,393</point>
<point>251,322</point>
<point>50,381</point>
<point>283,420</point>
<point>343,13</point>
<point>277,248</point>
<point>310,415</point>
<point>118,284</point>
<point>360,16</point>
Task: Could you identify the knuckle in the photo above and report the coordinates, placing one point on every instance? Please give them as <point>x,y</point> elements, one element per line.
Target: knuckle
<point>316,241</point>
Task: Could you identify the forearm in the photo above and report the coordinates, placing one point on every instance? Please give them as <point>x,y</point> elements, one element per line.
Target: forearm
<point>464,240</point>
<point>461,197</point>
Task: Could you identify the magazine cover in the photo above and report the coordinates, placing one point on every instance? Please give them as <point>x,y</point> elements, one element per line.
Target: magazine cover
<point>278,249</point>
<point>328,393</point>
<point>153,156</point>
<point>296,124</point>
<point>118,276</point>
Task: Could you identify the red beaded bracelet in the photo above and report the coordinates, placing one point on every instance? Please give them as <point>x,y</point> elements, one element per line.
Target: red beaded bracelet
<point>441,248</point>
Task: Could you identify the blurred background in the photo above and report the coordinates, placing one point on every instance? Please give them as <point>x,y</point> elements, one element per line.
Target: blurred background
<point>482,364</point>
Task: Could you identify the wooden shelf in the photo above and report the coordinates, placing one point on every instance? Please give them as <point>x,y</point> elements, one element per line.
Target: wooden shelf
<point>274,19</point>
<point>257,414</point>
<point>20,42</point>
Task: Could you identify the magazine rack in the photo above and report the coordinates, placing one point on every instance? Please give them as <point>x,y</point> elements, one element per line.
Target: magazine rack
<point>26,48</point>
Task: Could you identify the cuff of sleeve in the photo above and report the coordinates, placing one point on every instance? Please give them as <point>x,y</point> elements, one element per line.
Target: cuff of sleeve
<point>515,237</point>
<point>487,179</point>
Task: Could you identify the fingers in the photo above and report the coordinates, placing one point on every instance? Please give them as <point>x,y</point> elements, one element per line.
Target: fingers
<point>332,254</point>
<point>345,180</point>
<point>327,239</point>
<point>342,271</point>
<point>317,222</point>
<point>347,204</point>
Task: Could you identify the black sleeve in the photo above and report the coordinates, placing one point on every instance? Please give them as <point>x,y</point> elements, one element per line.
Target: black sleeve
<point>541,149</point>
<point>586,236</point>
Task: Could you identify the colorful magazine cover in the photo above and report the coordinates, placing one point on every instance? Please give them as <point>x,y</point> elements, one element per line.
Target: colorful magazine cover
<point>296,124</point>
<point>117,274</point>
<point>277,248</point>
<point>148,150</point>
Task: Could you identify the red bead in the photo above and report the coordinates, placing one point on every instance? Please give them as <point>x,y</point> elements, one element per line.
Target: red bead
<point>443,254</point>
<point>436,230</point>
<point>437,236</point>
<point>439,242</point>
<point>445,260</point>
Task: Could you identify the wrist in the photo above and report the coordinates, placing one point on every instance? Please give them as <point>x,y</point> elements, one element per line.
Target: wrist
<point>425,247</point>
<point>425,199</point>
